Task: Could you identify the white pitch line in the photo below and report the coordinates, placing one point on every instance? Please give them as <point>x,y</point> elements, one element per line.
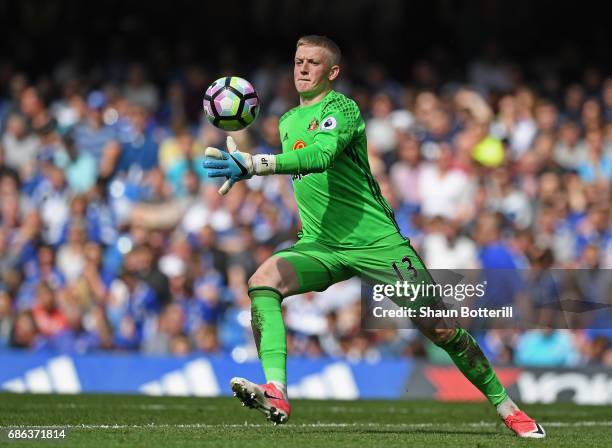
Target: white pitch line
<point>309,425</point>
<point>147,407</point>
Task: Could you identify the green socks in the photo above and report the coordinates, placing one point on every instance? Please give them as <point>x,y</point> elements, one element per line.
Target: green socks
<point>469,359</point>
<point>269,332</point>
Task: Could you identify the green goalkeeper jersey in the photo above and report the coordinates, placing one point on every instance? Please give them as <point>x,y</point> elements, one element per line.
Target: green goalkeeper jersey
<point>325,149</point>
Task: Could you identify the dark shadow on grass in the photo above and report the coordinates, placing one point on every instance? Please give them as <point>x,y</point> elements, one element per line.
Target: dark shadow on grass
<point>425,431</point>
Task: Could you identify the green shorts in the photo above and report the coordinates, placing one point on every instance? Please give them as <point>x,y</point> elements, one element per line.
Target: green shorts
<point>387,261</point>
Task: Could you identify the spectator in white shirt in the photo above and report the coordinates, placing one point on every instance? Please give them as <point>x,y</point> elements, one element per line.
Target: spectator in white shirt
<point>445,248</point>
<point>445,191</point>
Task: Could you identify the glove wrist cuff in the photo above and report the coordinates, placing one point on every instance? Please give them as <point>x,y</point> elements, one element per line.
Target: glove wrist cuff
<point>264,164</point>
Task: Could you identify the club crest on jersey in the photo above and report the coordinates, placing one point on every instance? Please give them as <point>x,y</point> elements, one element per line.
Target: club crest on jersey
<point>299,144</point>
<point>314,124</point>
<point>329,124</point>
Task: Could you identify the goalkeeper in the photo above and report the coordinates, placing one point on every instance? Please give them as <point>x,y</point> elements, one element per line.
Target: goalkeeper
<point>348,229</point>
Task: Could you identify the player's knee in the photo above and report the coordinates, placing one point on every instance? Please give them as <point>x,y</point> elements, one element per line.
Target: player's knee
<point>275,273</point>
<point>261,279</point>
<point>267,280</point>
<point>440,336</point>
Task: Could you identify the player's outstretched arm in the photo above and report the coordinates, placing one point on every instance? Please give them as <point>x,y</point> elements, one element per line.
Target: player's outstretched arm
<point>332,137</point>
<point>235,165</point>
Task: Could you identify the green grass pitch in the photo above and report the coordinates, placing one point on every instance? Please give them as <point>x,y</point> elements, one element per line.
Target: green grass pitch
<point>113,420</point>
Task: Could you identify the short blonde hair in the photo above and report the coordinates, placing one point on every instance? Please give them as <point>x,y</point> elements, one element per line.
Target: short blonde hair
<point>323,42</point>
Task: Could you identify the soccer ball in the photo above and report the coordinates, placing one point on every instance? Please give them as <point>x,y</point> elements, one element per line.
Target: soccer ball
<point>231,103</point>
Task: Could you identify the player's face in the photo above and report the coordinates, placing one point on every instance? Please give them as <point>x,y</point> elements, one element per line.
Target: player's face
<point>312,71</point>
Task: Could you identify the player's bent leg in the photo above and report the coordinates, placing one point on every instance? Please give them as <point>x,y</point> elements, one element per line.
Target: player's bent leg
<point>274,280</point>
<point>278,277</point>
<point>269,330</point>
<point>471,361</point>
<point>394,259</point>
<point>282,275</point>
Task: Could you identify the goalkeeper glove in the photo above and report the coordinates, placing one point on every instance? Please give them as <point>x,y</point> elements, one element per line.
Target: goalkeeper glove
<point>235,165</point>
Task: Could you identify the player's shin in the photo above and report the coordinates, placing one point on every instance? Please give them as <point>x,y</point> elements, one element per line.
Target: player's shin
<point>269,332</point>
<point>469,359</point>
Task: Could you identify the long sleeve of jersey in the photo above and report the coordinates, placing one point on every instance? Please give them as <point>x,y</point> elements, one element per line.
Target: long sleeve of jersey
<point>339,121</point>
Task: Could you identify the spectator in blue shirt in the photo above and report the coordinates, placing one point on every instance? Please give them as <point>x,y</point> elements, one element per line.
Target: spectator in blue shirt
<point>44,269</point>
<point>132,309</point>
<point>75,338</point>
<point>596,167</point>
<point>80,166</point>
<point>497,261</point>
<point>546,348</point>
<point>6,317</point>
<point>139,148</point>
<point>92,135</point>
<point>594,228</point>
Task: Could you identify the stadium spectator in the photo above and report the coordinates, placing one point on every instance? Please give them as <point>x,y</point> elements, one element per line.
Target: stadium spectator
<point>6,317</point>
<point>180,154</point>
<point>24,333</point>
<point>131,309</point>
<point>405,173</point>
<point>52,198</point>
<point>546,348</point>
<point>596,164</point>
<point>445,248</point>
<point>50,320</point>
<point>449,193</point>
<point>380,129</point>
<point>74,338</point>
<point>71,256</point>
<point>568,153</point>
<point>40,269</point>
<point>138,90</point>
<point>80,166</point>
<point>171,324</point>
<point>20,145</point>
<point>92,135</point>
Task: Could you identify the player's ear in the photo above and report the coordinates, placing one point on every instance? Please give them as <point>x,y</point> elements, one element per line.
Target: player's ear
<point>334,71</point>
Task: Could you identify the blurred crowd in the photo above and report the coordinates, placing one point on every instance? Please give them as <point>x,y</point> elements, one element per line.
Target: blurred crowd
<point>113,238</point>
